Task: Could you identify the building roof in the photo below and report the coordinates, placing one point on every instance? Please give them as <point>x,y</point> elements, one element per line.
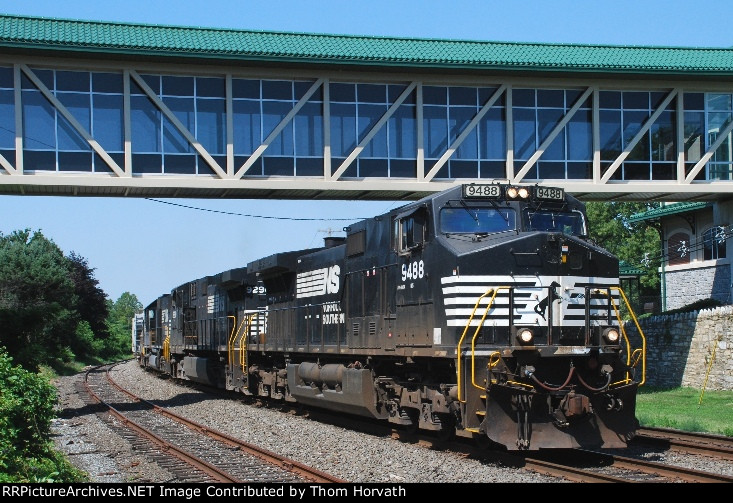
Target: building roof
<point>669,209</point>
<point>132,39</point>
<point>628,270</point>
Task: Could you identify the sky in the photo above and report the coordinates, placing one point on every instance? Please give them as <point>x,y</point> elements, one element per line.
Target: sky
<point>148,247</point>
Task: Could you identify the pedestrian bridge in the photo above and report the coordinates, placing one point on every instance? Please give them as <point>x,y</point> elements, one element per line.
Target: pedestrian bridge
<point>112,109</point>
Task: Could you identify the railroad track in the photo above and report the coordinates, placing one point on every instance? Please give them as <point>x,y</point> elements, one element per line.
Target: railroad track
<point>705,444</point>
<point>190,451</point>
<point>575,465</point>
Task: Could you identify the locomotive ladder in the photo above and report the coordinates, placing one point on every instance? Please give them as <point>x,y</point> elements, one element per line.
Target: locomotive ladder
<point>632,358</point>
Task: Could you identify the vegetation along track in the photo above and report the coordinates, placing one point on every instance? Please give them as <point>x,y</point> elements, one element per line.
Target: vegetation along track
<point>171,441</point>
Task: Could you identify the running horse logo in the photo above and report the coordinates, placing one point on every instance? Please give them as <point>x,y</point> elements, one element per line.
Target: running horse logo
<point>542,305</point>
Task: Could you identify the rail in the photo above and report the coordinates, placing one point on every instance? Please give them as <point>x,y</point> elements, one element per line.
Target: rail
<point>491,291</point>
<point>629,353</point>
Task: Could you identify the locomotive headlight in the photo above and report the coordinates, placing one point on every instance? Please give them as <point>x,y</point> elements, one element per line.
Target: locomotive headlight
<point>525,336</point>
<point>523,193</point>
<point>512,192</point>
<point>610,335</point>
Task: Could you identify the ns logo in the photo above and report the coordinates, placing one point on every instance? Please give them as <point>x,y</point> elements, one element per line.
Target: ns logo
<point>332,279</point>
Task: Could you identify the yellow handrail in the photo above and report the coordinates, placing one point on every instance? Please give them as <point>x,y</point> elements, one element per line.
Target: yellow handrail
<point>465,330</point>
<point>243,342</point>
<point>230,342</point>
<point>167,348</point>
<point>475,335</point>
<point>623,331</point>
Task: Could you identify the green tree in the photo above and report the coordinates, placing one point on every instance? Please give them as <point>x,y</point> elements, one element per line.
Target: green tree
<point>91,300</point>
<point>630,242</point>
<point>37,299</point>
<point>119,325</point>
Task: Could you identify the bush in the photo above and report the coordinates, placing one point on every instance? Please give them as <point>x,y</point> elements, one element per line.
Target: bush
<point>26,409</point>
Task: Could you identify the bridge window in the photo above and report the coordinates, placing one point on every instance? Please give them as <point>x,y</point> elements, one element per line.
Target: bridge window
<point>719,116</point>
<point>355,110</point>
<point>537,113</point>
<point>622,116</point>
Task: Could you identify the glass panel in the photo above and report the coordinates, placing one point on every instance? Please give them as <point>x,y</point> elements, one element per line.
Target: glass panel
<point>45,76</point>
<point>693,137</point>
<point>553,98</point>
<point>460,117</point>
<point>462,96</point>
<point>180,163</point>
<point>107,83</point>
<point>523,98</point>
<point>277,90</point>
<point>246,118</point>
<point>242,88</point>
<point>75,161</point>
<point>173,140</point>
<point>72,81</point>
<point>6,77</point>
<point>547,120</point>
<point>551,170</point>
<point>636,100</point>
<point>210,87</point>
<point>343,129</point>
<point>610,134</point>
<point>492,130</point>
<point>371,93</point>
<point>403,133</point>
<point>476,220</point>
<point>345,93</point>
<point>524,133</point>
<point>38,122</point>
<point>719,102</point>
<point>211,125</point>
<point>7,120</point>
<point>107,121</point>
<point>463,169</point>
<point>694,101</point>
<point>273,113</point>
<point>663,138</point>
<point>177,86</point>
<point>147,163</point>
<point>580,136</point>
<point>434,95</point>
<point>609,99</point>
<point>146,128</point>
<point>309,131</point>
<point>78,106</point>
<point>309,166</point>
<point>376,168</point>
<point>435,124</point>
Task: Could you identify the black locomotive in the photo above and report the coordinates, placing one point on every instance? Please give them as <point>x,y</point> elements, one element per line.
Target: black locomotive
<point>483,310</point>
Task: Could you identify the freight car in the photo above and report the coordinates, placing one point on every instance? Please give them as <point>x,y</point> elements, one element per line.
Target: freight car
<point>484,310</point>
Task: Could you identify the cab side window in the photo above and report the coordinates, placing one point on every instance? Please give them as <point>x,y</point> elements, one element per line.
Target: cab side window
<point>409,232</point>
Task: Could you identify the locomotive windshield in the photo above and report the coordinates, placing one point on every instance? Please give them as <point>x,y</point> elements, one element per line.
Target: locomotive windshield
<point>571,223</point>
<point>477,220</point>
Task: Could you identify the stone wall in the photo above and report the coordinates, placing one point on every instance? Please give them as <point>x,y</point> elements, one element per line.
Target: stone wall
<point>685,286</point>
<point>680,349</point>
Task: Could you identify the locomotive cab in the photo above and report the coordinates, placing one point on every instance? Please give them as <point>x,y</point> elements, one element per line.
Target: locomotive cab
<point>533,307</point>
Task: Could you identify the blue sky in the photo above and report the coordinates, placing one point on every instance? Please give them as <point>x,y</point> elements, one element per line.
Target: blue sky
<point>147,248</point>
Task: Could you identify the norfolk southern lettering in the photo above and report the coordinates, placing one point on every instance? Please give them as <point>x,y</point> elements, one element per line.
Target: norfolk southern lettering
<point>480,311</point>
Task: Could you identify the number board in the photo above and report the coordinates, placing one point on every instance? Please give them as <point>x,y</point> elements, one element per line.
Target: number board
<point>481,190</point>
<point>552,193</point>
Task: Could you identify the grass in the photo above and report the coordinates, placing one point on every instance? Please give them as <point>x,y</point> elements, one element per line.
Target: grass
<point>682,409</point>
